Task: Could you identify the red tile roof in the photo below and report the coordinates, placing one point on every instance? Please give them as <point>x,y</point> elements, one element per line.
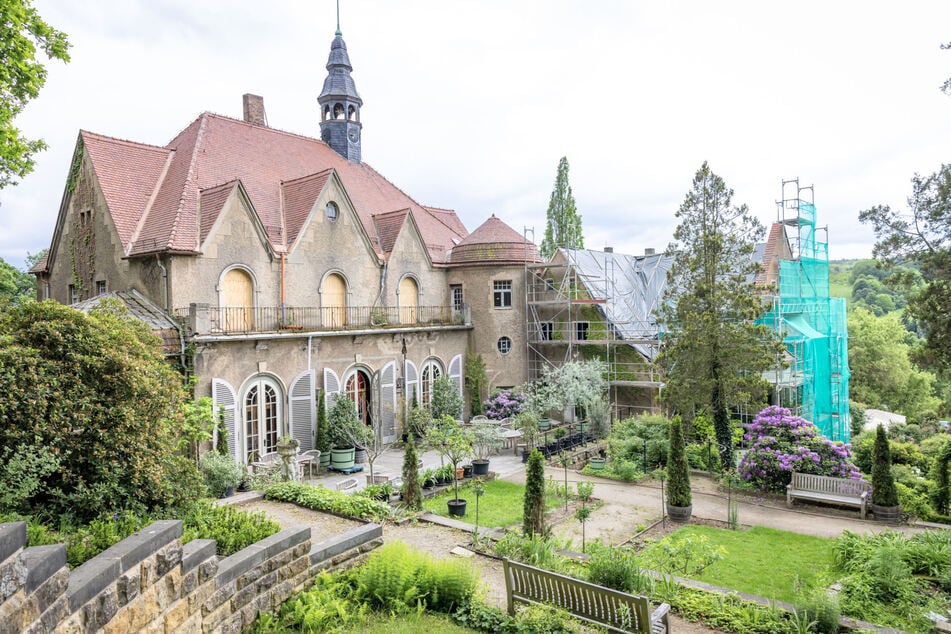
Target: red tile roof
<point>494,243</point>
<point>210,203</point>
<point>388,227</point>
<point>153,193</point>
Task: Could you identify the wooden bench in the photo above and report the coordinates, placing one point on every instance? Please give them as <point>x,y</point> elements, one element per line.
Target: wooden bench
<point>618,611</point>
<point>844,491</point>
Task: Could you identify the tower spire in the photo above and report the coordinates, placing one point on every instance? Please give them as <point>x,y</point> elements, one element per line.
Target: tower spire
<point>338,33</point>
<point>340,103</point>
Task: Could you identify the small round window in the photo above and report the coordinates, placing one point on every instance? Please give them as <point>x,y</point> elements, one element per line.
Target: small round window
<point>504,344</point>
<point>332,211</point>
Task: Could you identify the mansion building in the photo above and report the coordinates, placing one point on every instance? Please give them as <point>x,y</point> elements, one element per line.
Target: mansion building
<point>294,269</point>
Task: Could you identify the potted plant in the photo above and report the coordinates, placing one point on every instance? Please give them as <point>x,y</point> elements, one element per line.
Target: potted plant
<point>487,437</point>
<point>222,474</point>
<point>428,478</point>
<point>884,494</point>
<point>455,444</point>
<point>528,423</point>
<point>344,427</point>
<point>467,470</point>
<point>679,500</point>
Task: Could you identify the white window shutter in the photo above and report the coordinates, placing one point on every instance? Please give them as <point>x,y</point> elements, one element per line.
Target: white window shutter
<point>331,388</point>
<point>455,372</point>
<point>388,402</point>
<point>411,375</point>
<point>224,400</point>
<point>303,412</point>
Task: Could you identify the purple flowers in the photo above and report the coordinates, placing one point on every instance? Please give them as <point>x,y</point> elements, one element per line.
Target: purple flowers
<point>781,443</point>
<point>505,403</point>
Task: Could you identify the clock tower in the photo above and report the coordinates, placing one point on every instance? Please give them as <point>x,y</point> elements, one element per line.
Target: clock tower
<point>340,126</point>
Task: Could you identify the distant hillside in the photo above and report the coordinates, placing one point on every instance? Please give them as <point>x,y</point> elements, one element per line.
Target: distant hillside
<point>840,274</point>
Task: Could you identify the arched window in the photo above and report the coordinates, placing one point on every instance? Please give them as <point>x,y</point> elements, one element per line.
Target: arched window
<point>333,299</point>
<point>409,300</point>
<point>351,113</point>
<point>357,386</point>
<point>237,301</point>
<point>432,370</point>
<point>338,111</point>
<point>262,417</point>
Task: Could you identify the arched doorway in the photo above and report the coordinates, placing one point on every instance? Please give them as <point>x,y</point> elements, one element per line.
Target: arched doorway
<point>237,301</point>
<point>262,417</point>
<point>432,370</point>
<point>358,388</point>
<point>409,300</point>
<point>334,301</point>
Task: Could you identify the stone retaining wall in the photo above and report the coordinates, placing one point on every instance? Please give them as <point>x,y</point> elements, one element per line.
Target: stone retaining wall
<point>150,582</point>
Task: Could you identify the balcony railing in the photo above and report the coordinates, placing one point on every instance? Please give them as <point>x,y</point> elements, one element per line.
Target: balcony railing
<point>204,319</point>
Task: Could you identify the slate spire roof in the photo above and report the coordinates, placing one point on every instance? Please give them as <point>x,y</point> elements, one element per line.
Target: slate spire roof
<point>166,199</point>
<point>492,244</point>
<point>339,83</point>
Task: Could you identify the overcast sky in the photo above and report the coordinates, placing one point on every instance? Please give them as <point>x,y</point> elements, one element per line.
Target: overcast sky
<point>469,105</point>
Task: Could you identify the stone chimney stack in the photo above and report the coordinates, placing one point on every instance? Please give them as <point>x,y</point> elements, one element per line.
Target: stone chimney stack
<point>649,251</point>
<point>254,109</point>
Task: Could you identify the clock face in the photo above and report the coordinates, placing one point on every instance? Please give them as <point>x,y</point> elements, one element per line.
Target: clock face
<point>354,135</point>
<point>325,135</point>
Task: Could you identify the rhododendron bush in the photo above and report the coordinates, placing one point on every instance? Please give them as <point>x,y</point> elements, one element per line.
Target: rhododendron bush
<point>781,443</point>
<point>505,404</point>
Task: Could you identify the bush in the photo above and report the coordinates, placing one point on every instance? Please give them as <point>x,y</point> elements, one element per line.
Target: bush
<point>819,606</point>
<point>319,498</point>
<point>95,391</point>
<point>232,528</point>
<point>505,404</point>
<point>538,550</point>
<point>703,456</point>
<point>628,437</point>
<point>781,443</point>
<point>617,568</point>
<point>220,472</point>
<point>446,400</point>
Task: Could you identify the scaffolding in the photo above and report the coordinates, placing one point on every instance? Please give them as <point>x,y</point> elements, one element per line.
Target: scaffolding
<point>815,385</point>
<point>598,305</point>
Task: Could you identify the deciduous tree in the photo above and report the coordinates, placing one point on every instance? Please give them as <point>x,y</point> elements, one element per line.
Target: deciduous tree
<point>713,352</point>
<point>563,227</point>
<point>22,31</point>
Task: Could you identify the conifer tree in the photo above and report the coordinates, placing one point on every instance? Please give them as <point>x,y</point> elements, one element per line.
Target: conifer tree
<point>533,515</point>
<point>563,227</point>
<point>412,491</point>
<point>678,472</point>
<point>884,492</point>
<point>713,352</point>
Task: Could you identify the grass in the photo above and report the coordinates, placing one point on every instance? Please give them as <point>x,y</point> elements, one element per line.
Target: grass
<point>764,561</point>
<point>499,506</point>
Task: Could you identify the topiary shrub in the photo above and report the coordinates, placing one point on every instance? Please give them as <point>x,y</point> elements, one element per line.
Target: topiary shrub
<point>678,473</point>
<point>781,443</point>
<point>412,490</point>
<point>533,518</point>
<point>883,484</point>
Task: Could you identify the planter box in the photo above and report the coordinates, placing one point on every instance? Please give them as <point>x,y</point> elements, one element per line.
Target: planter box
<point>341,458</point>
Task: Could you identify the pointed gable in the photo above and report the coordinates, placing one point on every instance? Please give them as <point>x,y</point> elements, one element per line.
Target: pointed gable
<point>128,174</point>
<point>494,243</point>
<point>388,227</point>
<point>211,201</point>
<point>299,196</point>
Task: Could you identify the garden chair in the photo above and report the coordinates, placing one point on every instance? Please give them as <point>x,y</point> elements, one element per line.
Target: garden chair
<point>311,460</point>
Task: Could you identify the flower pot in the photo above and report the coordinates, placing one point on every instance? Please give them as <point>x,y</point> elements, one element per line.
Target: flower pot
<point>460,473</point>
<point>679,513</point>
<point>597,464</point>
<point>341,458</point>
<point>360,455</point>
<point>525,455</point>
<point>886,514</point>
<point>467,471</point>
<point>544,424</point>
<point>480,467</point>
<point>457,508</point>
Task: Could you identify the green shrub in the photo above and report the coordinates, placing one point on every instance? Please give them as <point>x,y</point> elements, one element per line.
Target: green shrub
<point>617,568</point>
<point>221,472</point>
<point>233,529</point>
<point>22,470</point>
<point>324,607</point>
<point>533,516</point>
<point>477,615</point>
<point>536,550</point>
<point>883,484</point>
<point>678,475</point>
<point>412,488</point>
<point>398,578</point>
<point>542,619</point>
<point>628,437</point>
<point>704,456</point>
<point>729,613</point>
<point>819,606</point>
<point>319,498</point>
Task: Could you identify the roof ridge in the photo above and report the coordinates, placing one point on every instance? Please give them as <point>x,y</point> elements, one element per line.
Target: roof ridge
<point>306,176</point>
<point>402,210</point>
<point>113,139</point>
<point>219,186</point>
<point>189,180</point>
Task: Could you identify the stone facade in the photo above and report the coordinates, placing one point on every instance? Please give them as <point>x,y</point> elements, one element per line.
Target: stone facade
<point>150,582</point>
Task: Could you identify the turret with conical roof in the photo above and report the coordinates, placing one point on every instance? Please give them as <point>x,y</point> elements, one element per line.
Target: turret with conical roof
<point>340,126</point>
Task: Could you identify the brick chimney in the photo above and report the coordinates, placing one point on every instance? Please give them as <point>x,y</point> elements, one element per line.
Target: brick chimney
<point>254,109</point>
<point>609,249</point>
<point>649,251</point>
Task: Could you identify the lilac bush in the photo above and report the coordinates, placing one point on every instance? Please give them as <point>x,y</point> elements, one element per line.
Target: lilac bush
<point>781,443</point>
<point>505,403</point>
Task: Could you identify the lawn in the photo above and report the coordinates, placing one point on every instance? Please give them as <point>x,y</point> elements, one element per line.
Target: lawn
<point>764,561</point>
<point>499,506</point>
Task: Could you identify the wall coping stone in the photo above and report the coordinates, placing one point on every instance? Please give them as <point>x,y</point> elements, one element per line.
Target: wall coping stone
<point>328,548</point>
<point>93,576</point>
<point>42,562</point>
<point>244,560</point>
<point>197,551</point>
<point>12,538</point>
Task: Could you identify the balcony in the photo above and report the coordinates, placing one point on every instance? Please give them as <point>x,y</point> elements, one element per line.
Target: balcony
<point>203,319</point>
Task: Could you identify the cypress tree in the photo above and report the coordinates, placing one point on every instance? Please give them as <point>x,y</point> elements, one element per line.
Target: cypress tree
<point>678,474</point>
<point>884,492</point>
<point>533,522</point>
<point>563,227</point>
<point>322,441</point>
<point>412,491</point>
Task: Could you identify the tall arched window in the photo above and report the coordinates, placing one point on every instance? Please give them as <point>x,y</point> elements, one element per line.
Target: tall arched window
<point>409,300</point>
<point>262,417</point>
<point>334,301</point>
<point>357,385</point>
<point>432,370</point>
<point>237,301</point>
